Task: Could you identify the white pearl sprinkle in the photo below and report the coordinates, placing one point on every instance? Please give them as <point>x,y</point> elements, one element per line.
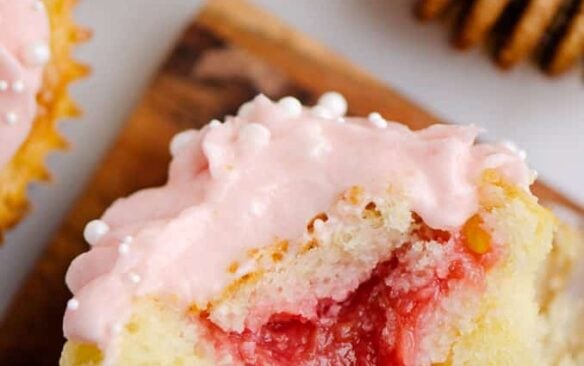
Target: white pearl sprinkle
<point>124,248</point>
<point>334,102</point>
<point>179,141</point>
<point>377,120</point>
<point>94,231</point>
<point>11,118</point>
<point>117,328</point>
<point>73,304</point>
<point>215,123</point>
<point>38,5</point>
<point>256,208</point>
<point>321,112</point>
<point>3,85</point>
<point>291,106</point>
<point>36,54</point>
<point>254,135</point>
<point>134,277</point>
<point>318,143</point>
<point>18,86</point>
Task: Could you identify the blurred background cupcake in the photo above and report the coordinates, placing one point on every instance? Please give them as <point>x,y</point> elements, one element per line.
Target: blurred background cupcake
<point>36,68</point>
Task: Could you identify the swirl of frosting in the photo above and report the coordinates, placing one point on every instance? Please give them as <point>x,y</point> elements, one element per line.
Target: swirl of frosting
<point>24,50</point>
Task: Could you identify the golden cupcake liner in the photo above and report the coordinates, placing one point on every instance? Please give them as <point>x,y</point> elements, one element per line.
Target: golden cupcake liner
<point>54,104</point>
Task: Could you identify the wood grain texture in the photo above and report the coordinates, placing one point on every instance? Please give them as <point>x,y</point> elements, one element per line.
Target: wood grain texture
<point>180,97</point>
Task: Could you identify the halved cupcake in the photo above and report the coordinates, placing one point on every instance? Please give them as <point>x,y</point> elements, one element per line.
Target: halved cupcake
<point>36,68</point>
<point>295,235</point>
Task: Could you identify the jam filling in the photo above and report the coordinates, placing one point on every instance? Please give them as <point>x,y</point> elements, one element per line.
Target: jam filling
<point>380,323</point>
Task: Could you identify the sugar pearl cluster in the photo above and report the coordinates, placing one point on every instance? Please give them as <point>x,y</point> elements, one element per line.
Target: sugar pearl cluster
<point>96,230</point>
<point>124,246</point>
<point>93,233</point>
<point>252,136</point>
<point>36,53</point>
<point>32,55</point>
<point>13,87</point>
<point>319,145</point>
<point>330,105</point>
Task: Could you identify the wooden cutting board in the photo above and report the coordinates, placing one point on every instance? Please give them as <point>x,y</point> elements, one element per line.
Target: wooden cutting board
<point>230,53</point>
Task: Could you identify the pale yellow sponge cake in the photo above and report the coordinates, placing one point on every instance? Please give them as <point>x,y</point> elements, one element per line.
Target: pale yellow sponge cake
<point>293,235</point>
<point>561,297</point>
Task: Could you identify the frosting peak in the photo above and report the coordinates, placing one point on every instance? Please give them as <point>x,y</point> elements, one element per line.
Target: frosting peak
<point>258,177</point>
<point>24,50</point>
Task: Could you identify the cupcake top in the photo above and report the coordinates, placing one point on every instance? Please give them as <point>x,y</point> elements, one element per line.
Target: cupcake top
<point>24,51</point>
<point>257,178</point>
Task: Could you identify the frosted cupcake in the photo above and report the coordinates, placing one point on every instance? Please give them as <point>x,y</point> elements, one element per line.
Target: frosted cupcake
<point>290,235</point>
<point>36,40</point>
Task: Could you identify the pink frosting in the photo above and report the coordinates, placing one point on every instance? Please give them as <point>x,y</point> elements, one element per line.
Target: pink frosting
<point>258,177</point>
<point>24,39</point>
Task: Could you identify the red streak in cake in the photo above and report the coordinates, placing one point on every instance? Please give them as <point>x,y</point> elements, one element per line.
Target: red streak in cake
<point>380,323</point>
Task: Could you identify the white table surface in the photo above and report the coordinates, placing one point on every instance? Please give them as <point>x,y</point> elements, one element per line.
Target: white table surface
<point>543,116</point>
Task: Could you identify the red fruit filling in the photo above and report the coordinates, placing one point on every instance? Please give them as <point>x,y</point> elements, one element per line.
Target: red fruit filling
<point>380,323</point>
